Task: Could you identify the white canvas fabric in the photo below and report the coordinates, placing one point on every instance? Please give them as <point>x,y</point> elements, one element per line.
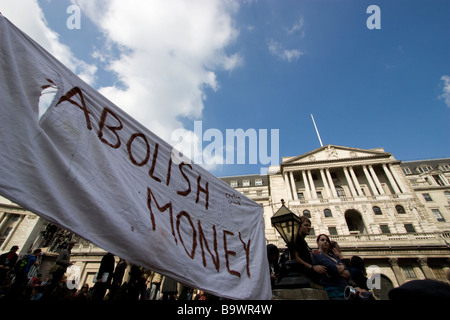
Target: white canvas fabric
<point>89,167</point>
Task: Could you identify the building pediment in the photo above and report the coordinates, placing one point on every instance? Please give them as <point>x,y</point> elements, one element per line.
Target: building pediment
<point>335,153</point>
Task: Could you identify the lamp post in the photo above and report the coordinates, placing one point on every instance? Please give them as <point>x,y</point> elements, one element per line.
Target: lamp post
<point>287,224</point>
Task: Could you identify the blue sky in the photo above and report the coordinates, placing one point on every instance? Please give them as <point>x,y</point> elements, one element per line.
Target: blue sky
<point>264,65</point>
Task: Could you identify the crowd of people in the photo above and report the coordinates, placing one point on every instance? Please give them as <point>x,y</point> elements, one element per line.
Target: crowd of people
<point>20,279</point>
<point>324,266</point>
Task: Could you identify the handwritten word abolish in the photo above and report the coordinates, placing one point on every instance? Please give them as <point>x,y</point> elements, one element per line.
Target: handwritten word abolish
<point>188,181</point>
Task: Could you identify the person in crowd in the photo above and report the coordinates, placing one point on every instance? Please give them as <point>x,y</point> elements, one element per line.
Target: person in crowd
<point>117,277</point>
<point>200,295</point>
<point>336,250</point>
<point>104,276</point>
<point>358,274</point>
<point>155,286</point>
<point>136,283</point>
<point>83,293</point>
<point>303,253</point>
<point>36,292</point>
<point>273,255</point>
<point>7,263</point>
<point>21,270</point>
<point>337,274</point>
<point>169,289</point>
<point>58,270</point>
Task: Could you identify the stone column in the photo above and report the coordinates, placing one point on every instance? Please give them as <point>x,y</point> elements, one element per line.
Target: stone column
<point>11,233</point>
<point>350,183</point>
<point>330,181</point>
<point>356,182</point>
<point>5,217</point>
<point>313,187</point>
<point>288,186</point>
<point>325,184</point>
<point>444,179</point>
<point>397,271</point>
<point>371,183</point>
<point>391,179</point>
<point>375,178</point>
<point>397,178</point>
<point>305,181</point>
<point>423,262</point>
<point>294,188</point>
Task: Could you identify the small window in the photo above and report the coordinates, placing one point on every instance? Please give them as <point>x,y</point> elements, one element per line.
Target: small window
<point>306,213</point>
<point>424,169</point>
<point>340,192</point>
<point>445,167</point>
<point>332,231</point>
<point>427,197</point>
<point>410,228</point>
<point>438,272</point>
<point>327,213</point>
<point>447,194</point>
<point>438,215</point>
<point>300,196</point>
<point>407,170</point>
<point>400,209</point>
<point>409,272</point>
<point>438,180</point>
<point>385,228</point>
<point>377,211</point>
<point>246,183</point>
<point>234,184</point>
<point>258,182</point>
<point>312,232</point>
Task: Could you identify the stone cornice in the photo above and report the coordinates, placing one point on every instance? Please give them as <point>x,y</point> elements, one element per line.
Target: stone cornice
<point>339,162</point>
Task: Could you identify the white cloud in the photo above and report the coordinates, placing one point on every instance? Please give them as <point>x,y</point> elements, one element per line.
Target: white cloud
<point>165,54</point>
<point>297,27</point>
<point>28,17</point>
<point>446,90</point>
<point>170,54</point>
<point>279,51</point>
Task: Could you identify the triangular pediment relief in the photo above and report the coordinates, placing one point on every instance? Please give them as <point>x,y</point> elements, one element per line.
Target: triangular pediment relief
<point>334,153</point>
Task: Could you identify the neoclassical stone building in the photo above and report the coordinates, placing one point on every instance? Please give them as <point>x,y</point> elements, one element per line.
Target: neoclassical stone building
<point>395,215</point>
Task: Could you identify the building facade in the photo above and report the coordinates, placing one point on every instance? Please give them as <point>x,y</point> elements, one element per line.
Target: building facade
<point>393,214</point>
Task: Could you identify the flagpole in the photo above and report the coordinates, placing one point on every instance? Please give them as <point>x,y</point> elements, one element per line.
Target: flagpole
<point>318,135</point>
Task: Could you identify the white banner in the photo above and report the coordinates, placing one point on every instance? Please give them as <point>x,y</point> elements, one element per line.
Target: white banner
<point>88,166</point>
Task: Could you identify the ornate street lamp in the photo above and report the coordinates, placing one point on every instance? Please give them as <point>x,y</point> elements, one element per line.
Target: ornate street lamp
<point>287,224</point>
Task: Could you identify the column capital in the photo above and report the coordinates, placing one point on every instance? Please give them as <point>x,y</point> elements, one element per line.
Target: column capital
<point>393,261</point>
<point>423,261</point>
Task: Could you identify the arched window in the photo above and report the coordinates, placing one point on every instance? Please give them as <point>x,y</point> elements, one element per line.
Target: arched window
<point>306,213</point>
<point>340,192</point>
<point>400,209</point>
<point>327,213</point>
<point>377,210</point>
